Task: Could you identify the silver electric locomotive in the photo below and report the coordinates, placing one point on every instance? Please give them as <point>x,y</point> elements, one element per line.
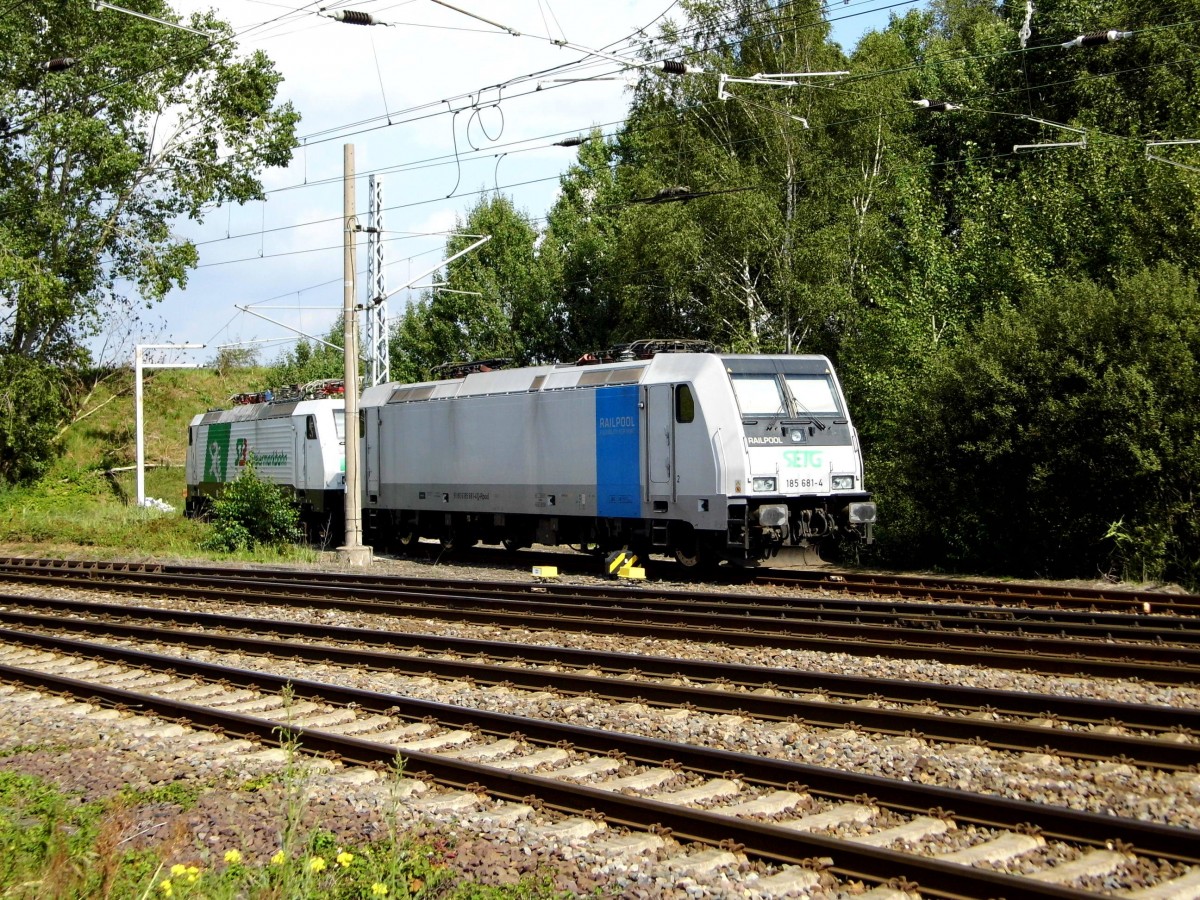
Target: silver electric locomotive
<point>702,456</point>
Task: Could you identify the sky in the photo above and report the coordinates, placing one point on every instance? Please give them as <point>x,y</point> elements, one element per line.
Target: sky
<point>418,101</point>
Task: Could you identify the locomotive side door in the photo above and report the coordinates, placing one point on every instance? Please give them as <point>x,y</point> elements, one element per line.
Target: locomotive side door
<point>660,442</point>
<point>314,462</point>
<point>302,482</point>
<point>374,417</point>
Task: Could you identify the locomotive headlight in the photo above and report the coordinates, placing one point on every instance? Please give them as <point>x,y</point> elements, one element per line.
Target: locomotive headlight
<point>843,482</point>
<point>764,484</point>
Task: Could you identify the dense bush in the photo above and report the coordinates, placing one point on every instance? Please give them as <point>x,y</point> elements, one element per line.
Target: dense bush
<point>32,405</point>
<point>252,512</point>
<point>1064,437</point>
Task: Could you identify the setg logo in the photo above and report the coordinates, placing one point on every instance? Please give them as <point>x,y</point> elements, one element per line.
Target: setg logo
<point>804,459</point>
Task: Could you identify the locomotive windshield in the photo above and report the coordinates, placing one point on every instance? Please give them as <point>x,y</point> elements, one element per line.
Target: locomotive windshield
<point>759,395</point>
<point>339,423</point>
<point>812,394</point>
<point>762,394</point>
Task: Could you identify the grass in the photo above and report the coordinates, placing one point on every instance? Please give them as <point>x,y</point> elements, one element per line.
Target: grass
<point>77,505</point>
<point>56,846</point>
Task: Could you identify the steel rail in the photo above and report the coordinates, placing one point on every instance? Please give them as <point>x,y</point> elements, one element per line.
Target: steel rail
<point>765,841</point>
<point>1018,703</point>
<point>688,825</point>
<point>964,589</point>
<point>1164,664</point>
<point>943,616</point>
<point>1147,717</point>
<point>961,592</point>
<point>1007,736</point>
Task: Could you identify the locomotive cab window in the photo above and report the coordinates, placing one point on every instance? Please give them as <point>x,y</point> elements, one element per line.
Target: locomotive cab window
<point>813,394</point>
<point>310,427</point>
<point>191,435</point>
<point>685,404</point>
<point>759,395</point>
<point>339,424</point>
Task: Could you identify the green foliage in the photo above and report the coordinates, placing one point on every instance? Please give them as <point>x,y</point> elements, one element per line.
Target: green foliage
<point>230,359</point>
<point>1047,424</point>
<point>577,255</point>
<point>75,504</point>
<point>56,846</point>
<point>184,794</point>
<point>495,303</point>
<point>44,831</point>
<point>1015,331</point>
<point>96,164</point>
<point>250,512</point>
<point>33,400</point>
<point>260,783</point>
<point>91,187</point>
<point>309,361</point>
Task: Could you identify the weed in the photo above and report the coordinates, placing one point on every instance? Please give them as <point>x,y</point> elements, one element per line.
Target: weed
<point>184,794</point>
<point>261,783</point>
<point>58,847</point>
<point>34,748</point>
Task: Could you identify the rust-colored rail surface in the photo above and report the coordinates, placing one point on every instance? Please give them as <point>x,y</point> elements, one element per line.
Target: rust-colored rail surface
<point>764,840</point>
<point>1162,648</point>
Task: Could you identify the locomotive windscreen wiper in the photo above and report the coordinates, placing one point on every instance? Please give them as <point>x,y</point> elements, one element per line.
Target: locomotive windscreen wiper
<point>810,419</point>
<point>806,415</point>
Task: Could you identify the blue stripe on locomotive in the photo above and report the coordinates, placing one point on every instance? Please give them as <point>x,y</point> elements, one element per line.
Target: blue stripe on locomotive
<point>618,473</point>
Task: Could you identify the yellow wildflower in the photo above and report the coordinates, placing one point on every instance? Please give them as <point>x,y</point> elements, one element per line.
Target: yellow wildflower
<point>192,874</point>
<point>233,856</point>
<point>279,858</point>
<point>379,890</point>
<point>344,859</point>
<point>165,887</point>
<point>317,864</point>
<point>178,869</point>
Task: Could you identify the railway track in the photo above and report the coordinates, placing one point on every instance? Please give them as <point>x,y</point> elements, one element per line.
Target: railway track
<point>1163,648</point>
<point>972,591</point>
<point>845,582</point>
<point>1006,720</point>
<point>781,811</point>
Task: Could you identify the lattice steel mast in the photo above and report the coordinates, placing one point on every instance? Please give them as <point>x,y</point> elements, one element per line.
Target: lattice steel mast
<point>376,307</point>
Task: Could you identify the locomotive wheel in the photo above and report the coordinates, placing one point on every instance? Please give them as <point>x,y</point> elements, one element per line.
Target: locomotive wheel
<point>694,556</point>
<point>454,542</point>
<point>407,539</point>
<point>512,545</point>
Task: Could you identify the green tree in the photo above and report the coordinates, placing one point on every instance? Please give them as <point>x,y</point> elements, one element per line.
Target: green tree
<point>33,399</point>
<point>98,160</point>
<point>309,361</point>
<point>577,255</point>
<point>1045,428</point>
<point>494,304</point>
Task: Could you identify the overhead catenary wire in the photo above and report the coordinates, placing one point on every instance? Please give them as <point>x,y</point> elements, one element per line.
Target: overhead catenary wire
<point>527,182</point>
<point>838,123</point>
<point>555,177</point>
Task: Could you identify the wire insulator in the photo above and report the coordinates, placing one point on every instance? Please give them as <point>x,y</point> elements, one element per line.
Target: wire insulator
<point>1095,38</point>
<point>571,142</point>
<point>674,67</point>
<point>354,17</point>
<point>936,105</point>
<point>59,64</point>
